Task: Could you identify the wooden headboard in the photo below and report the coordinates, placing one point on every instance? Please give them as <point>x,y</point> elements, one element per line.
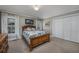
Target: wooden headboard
<point>26,26</point>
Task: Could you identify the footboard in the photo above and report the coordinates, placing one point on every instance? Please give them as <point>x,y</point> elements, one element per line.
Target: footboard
<point>38,40</point>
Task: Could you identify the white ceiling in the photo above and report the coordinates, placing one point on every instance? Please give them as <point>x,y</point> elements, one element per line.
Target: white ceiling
<point>44,11</point>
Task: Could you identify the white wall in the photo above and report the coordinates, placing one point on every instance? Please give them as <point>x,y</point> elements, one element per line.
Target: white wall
<point>57,27</point>
<point>4,22</point>
<point>66,27</point>
<point>47,28</point>
<point>17,26</point>
<point>21,23</point>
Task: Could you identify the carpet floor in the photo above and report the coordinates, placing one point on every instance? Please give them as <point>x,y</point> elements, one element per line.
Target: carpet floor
<point>56,45</point>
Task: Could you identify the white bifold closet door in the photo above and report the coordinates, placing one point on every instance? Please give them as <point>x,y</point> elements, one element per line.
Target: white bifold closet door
<point>75,29</point>
<point>71,29</point>
<point>67,28</point>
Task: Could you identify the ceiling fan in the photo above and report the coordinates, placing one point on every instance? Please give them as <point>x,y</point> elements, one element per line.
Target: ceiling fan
<point>36,7</point>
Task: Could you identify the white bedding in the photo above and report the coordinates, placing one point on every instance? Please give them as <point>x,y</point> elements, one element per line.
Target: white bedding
<point>28,34</point>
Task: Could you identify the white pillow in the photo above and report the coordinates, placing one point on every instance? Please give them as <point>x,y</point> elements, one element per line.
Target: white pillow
<point>33,29</point>
<point>28,29</point>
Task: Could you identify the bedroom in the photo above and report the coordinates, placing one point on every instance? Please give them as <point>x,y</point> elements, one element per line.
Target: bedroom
<point>56,25</point>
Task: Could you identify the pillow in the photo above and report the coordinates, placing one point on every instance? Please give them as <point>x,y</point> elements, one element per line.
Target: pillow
<point>33,29</point>
<point>27,29</point>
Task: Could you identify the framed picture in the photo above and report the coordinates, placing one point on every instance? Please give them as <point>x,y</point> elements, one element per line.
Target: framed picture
<point>29,21</point>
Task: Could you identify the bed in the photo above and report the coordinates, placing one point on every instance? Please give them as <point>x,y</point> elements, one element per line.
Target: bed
<point>34,37</point>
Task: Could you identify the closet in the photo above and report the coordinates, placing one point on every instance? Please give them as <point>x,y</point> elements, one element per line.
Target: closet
<point>66,28</point>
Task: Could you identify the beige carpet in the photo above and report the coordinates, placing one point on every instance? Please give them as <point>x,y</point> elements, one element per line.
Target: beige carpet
<point>56,45</point>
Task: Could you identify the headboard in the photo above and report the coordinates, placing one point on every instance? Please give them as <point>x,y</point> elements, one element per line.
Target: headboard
<point>26,26</point>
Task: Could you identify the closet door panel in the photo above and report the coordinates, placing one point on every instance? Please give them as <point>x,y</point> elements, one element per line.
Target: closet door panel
<point>75,29</point>
<point>66,28</point>
<point>78,29</point>
<point>71,29</point>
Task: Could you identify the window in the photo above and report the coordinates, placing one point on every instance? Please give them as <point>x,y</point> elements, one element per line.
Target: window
<point>11,25</point>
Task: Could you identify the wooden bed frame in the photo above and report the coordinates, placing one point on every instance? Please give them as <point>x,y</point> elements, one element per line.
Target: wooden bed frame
<point>36,40</point>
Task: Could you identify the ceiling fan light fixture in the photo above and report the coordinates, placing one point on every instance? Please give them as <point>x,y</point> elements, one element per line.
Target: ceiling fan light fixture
<point>36,7</point>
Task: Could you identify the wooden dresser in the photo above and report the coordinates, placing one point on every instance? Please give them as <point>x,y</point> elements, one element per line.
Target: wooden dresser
<point>3,43</point>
